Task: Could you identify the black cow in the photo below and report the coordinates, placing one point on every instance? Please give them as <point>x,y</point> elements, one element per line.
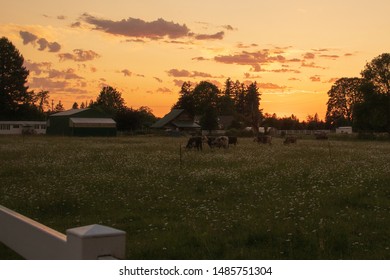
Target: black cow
<point>233,140</point>
<point>195,142</point>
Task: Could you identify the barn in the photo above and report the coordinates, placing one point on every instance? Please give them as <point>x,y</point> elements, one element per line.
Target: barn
<point>81,122</point>
<point>177,120</point>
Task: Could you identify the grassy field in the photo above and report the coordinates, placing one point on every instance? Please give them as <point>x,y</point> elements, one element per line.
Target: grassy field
<point>313,200</point>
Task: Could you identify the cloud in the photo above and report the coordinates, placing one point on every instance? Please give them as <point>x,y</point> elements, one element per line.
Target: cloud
<point>315,78</point>
<point>331,80</point>
<point>76,24</point>
<point>37,68</point>
<point>42,42</point>
<point>68,74</point>
<point>242,46</point>
<point>311,65</point>
<point>329,56</point>
<point>79,55</point>
<point>254,59</point>
<point>216,36</point>
<point>270,86</point>
<point>47,83</point>
<point>179,83</point>
<point>133,27</point>
<point>153,30</point>
<point>27,37</point>
<point>309,55</point>
<point>228,27</point>
<point>158,79</point>
<point>126,73</point>
<point>199,58</point>
<point>164,90</point>
<point>61,17</point>
<point>185,73</point>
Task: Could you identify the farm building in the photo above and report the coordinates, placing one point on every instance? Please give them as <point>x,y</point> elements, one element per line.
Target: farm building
<point>81,122</point>
<point>22,127</point>
<point>344,130</point>
<point>177,120</point>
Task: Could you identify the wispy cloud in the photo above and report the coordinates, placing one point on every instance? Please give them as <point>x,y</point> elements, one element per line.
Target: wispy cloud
<point>188,74</point>
<point>79,55</point>
<point>255,59</point>
<point>30,38</point>
<point>216,36</point>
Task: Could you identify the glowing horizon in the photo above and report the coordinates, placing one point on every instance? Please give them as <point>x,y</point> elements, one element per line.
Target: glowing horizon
<point>146,50</point>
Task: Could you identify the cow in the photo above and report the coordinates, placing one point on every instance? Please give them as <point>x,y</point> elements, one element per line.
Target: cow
<point>195,142</point>
<point>232,140</point>
<point>221,142</point>
<point>290,140</point>
<point>265,139</point>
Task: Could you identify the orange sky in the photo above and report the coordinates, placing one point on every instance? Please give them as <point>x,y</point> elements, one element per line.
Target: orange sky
<point>146,49</point>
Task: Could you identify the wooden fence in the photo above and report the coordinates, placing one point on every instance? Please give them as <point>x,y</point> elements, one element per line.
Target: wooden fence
<point>35,241</point>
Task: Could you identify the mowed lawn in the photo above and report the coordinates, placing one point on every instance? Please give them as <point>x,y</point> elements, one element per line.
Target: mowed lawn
<point>312,200</point>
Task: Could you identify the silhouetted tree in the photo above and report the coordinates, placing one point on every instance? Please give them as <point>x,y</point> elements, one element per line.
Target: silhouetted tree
<point>372,114</point>
<point>59,107</point>
<point>109,100</point>
<point>14,94</point>
<point>42,100</point>
<point>209,120</point>
<point>343,96</point>
<point>75,105</point>
<point>186,99</point>
<point>377,72</point>
<point>252,103</point>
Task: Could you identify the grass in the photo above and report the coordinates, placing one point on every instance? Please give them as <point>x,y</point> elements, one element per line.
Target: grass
<point>313,200</point>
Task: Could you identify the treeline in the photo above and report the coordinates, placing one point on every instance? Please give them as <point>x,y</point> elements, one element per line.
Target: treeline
<point>208,101</point>
<point>240,101</point>
<point>362,102</point>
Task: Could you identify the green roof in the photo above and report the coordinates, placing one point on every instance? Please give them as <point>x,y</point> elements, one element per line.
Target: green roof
<point>70,112</point>
<point>167,118</point>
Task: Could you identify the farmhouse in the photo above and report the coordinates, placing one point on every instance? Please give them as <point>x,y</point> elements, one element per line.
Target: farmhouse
<point>22,127</point>
<point>177,120</point>
<point>81,122</point>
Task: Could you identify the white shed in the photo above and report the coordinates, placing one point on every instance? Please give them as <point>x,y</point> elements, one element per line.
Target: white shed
<point>344,130</point>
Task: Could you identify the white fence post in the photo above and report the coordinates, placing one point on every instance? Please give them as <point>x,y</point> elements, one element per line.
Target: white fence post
<point>94,241</point>
<point>35,241</point>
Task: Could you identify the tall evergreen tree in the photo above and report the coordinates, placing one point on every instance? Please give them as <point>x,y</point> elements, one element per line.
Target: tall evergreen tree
<point>14,94</point>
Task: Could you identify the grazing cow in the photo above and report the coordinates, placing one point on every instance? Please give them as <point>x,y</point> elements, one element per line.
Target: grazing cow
<point>290,140</point>
<point>195,142</point>
<point>265,139</point>
<point>221,141</point>
<point>232,140</point>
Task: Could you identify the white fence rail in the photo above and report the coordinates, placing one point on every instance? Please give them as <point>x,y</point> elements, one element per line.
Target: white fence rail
<point>35,241</point>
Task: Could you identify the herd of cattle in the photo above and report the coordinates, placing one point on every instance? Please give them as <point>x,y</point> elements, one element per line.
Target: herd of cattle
<point>224,141</point>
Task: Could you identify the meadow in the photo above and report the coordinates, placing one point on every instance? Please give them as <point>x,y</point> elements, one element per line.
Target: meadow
<point>313,200</point>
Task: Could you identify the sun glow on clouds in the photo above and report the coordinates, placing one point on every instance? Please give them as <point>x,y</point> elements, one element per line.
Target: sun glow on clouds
<point>148,53</point>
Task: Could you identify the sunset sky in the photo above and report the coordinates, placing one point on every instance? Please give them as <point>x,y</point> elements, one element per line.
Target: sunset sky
<point>146,49</point>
